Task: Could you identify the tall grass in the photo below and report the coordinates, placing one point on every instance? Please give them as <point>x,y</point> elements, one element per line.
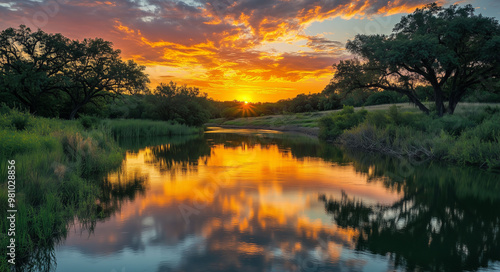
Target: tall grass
<point>58,165</point>
<point>468,138</point>
<point>128,128</point>
<point>333,125</point>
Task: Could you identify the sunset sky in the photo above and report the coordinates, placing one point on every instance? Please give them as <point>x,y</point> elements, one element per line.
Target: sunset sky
<point>248,50</point>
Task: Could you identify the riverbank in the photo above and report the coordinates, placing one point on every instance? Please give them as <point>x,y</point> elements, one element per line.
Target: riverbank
<point>60,171</point>
<point>469,137</point>
<point>297,121</point>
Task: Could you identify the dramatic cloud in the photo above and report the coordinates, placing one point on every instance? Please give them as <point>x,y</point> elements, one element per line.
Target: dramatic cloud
<point>216,44</point>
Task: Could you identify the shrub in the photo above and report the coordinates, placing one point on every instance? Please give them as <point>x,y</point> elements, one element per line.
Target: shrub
<point>333,125</point>
<point>383,97</point>
<point>89,122</point>
<point>452,124</point>
<point>472,139</point>
<point>20,121</point>
<point>393,140</point>
<point>377,119</point>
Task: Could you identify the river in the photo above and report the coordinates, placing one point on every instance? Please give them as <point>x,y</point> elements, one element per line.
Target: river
<point>257,200</point>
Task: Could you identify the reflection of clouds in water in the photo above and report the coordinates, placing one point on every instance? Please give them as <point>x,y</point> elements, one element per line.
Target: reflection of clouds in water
<point>266,215</point>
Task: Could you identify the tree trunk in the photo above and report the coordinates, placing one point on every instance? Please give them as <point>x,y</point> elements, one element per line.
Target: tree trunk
<point>439,103</point>
<point>452,105</point>
<point>417,102</point>
<point>454,99</point>
<point>73,112</point>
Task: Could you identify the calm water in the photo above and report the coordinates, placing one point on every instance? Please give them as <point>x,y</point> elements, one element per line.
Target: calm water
<point>249,200</point>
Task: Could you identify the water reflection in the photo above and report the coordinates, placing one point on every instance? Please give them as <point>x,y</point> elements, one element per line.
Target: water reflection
<point>447,219</point>
<point>258,201</point>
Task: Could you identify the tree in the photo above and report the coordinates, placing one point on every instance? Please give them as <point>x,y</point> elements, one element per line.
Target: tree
<point>450,49</point>
<point>31,64</point>
<point>37,68</point>
<point>182,104</point>
<point>97,72</point>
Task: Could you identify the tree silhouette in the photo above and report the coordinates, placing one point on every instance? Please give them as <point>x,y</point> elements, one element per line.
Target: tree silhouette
<point>97,72</point>
<point>450,49</point>
<point>31,64</point>
<point>36,67</point>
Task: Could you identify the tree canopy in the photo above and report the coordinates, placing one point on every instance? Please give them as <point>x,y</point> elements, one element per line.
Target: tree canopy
<point>37,68</point>
<point>96,72</point>
<point>31,64</point>
<point>449,49</point>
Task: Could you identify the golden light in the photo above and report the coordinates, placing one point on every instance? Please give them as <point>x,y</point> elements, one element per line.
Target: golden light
<point>247,109</point>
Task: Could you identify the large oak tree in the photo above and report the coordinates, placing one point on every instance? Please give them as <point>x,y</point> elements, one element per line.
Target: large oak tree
<point>31,64</point>
<point>36,65</point>
<point>96,71</point>
<point>450,49</point>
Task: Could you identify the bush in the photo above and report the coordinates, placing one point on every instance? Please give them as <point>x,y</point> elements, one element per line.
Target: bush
<point>383,97</point>
<point>393,140</point>
<point>20,121</point>
<point>472,139</point>
<point>89,122</point>
<point>333,125</point>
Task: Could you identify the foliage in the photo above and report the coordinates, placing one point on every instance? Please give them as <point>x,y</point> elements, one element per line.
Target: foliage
<point>89,122</point>
<point>51,75</point>
<point>20,121</point>
<point>97,72</point>
<point>434,46</point>
<point>300,103</point>
<point>472,139</point>
<point>57,165</point>
<point>383,97</point>
<point>147,128</point>
<point>332,126</point>
<point>182,104</point>
<point>30,66</point>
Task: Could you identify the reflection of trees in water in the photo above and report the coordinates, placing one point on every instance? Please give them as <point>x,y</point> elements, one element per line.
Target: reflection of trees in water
<point>448,218</point>
<point>113,194</point>
<point>133,145</point>
<point>183,155</point>
<point>300,146</point>
<point>110,197</point>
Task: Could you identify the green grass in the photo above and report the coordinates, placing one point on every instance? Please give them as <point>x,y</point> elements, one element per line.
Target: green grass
<point>58,169</point>
<point>311,119</point>
<point>465,138</point>
<point>127,128</point>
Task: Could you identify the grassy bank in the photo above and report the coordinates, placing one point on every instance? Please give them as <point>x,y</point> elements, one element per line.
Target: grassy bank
<point>310,120</point>
<point>466,138</point>
<point>57,164</point>
<point>469,137</point>
<point>128,128</point>
<point>60,168</point>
